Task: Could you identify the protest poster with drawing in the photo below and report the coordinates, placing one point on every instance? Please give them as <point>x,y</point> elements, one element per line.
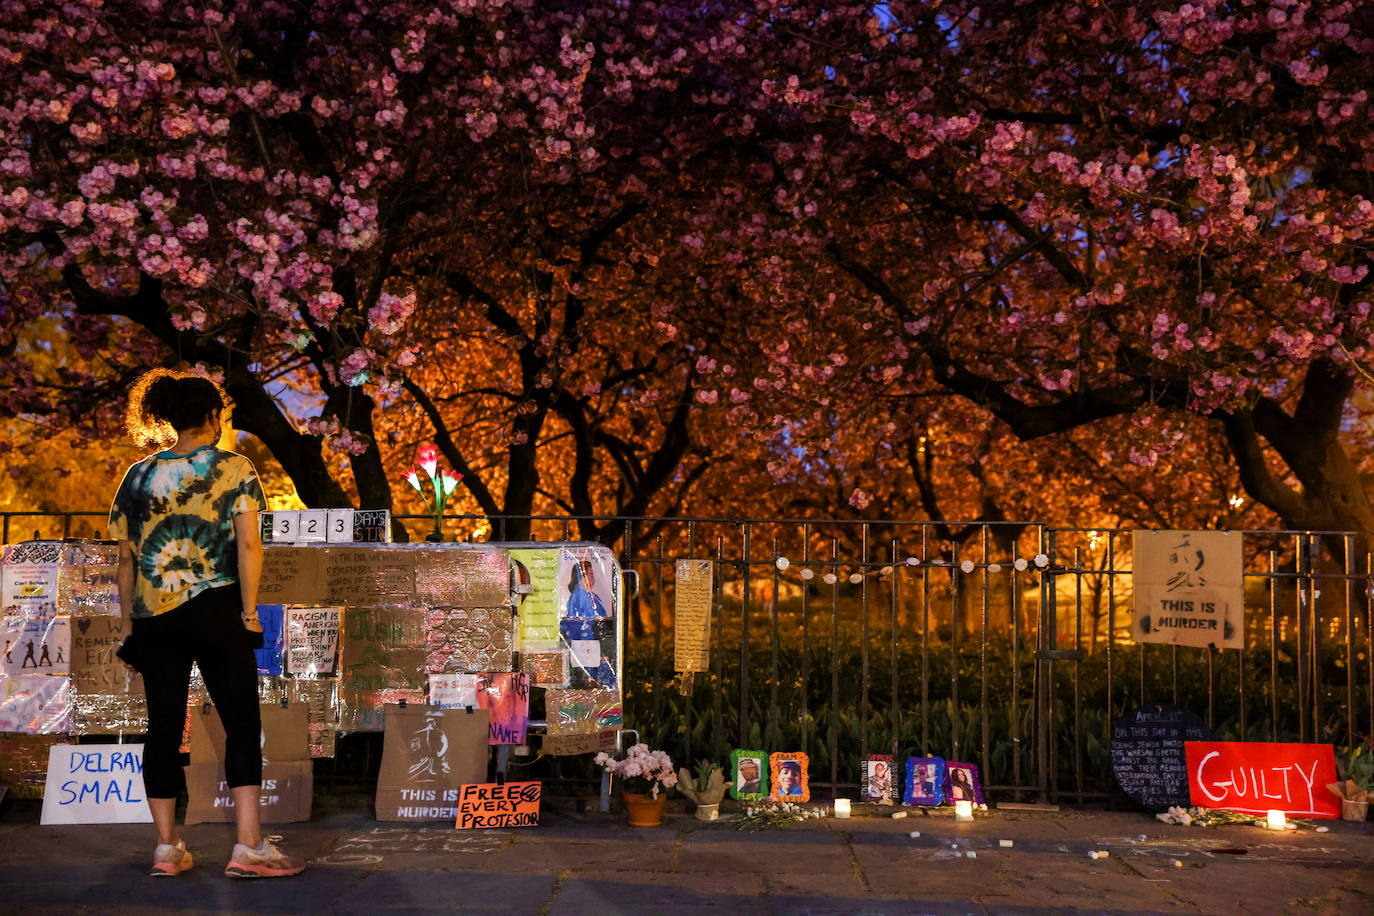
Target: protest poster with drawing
<point>1189,588</point>
<point>427,754</point>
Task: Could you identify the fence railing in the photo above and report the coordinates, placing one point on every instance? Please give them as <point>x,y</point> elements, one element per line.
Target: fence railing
<point>1007,645</point>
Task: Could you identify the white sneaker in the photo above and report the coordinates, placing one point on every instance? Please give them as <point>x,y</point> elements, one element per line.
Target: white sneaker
<point>267,861</point>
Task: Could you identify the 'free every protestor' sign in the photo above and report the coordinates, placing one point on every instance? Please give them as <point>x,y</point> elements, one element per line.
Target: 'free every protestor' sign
<point>1255,777</point>
<point>490,804</point>
<point>95,784</point>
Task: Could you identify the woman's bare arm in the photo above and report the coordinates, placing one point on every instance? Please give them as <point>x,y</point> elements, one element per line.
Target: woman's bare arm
<point>248,541</point>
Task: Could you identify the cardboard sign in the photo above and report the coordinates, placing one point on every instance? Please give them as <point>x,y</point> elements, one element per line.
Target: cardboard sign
<point>427,754</point>
<point>312,640</point>
<point>367,575</point>
<point>1255,777</point>
<point>287,773</point>
<point>383,662</point>
<point>371,525</point>
<point>94,643</point>
<point>1189,588</point>
<point>463,575</point>
<point>292,575</point>
<point>95,784</point>
<point>492,804</point>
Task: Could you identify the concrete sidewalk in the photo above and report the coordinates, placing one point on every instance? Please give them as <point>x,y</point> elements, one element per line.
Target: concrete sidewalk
<point>592,864</point>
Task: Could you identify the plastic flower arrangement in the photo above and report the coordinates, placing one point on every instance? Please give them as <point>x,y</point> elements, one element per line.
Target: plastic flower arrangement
<point>443,484</point>
<point>644,771</point>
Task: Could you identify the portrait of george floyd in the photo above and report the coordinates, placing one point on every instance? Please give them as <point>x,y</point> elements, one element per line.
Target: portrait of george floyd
<point>750,774</point>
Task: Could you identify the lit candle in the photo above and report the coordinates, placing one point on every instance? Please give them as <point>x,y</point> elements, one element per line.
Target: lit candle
<point>1277,820</point>
<point>842,807</point>
<point>963,810</point>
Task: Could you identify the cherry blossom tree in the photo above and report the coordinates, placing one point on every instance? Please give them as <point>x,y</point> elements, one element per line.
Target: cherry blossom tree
<point>1075,211</point>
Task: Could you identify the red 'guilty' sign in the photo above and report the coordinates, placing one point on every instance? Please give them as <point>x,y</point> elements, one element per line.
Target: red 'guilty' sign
<point>1255,777</point>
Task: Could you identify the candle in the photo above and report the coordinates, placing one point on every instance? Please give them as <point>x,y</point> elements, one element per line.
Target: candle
<point>1276,820</point>
<point>963,810</point>
<point>842,807</point>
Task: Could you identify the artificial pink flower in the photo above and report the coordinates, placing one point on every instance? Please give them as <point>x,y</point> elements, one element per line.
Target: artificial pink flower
<point>427,457</point>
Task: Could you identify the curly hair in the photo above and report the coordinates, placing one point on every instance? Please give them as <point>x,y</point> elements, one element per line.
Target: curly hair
<point>163,402</point>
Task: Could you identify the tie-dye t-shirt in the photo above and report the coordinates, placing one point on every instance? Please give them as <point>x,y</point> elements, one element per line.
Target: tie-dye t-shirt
<point>178,513</point>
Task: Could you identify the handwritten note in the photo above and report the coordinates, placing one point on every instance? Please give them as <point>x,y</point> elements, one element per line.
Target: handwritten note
<point>360,575</point>
<point>291,575</point>
<point>692,612</point>
<point>489,804</point>
<point>312,640</point>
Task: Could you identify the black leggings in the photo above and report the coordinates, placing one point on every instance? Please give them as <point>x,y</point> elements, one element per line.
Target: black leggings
<point>208,630</point>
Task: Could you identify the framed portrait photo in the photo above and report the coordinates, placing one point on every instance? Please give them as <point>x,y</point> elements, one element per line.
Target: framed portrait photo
<point>925,781</point>
<point>878,786</point>
<point>791,777</point>
<point>962,783</point>
<point>749,774</point>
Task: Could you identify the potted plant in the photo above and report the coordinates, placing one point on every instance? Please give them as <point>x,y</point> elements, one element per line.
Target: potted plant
<point>647,776</point>
<point>706,788</point>
<point>1355,769</point>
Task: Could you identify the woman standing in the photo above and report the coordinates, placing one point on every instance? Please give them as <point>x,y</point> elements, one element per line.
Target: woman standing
<point>190,557</point>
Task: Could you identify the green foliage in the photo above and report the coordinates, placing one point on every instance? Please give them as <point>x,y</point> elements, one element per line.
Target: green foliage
<point>823,703</point>
<point>1356,764</point>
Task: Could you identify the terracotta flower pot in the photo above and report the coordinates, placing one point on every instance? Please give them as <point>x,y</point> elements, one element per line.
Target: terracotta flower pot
<point>644,810</point>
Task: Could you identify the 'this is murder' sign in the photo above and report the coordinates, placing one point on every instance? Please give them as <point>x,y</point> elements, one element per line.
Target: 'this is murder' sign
<point>1189,588</point>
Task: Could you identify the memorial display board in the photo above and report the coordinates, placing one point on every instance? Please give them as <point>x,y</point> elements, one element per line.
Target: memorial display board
<point>1149,755</point>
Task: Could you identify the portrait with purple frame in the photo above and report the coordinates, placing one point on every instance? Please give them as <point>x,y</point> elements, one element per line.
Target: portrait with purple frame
<point>962,783</point>
<point>925,781</point>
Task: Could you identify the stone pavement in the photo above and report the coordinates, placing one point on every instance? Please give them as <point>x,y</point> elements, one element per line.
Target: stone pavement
<point>592,864</point>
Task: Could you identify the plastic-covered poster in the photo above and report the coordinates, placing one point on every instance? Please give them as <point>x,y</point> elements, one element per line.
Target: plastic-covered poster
<point>36,645</point>
<point>383,662</point>
<point>36,704</point>
<point>28,579</point>
<point>269,656</point>
<point>547,669</point>
<point>505,695</point>
<point>86,583</point>
<point>536,598</point>
<point>588,587</point>
<point>312,640</point>
<point>583,712</point>
<point>469,639</point>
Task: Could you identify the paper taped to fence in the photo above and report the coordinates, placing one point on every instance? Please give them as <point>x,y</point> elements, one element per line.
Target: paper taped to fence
<point>1189,588</point>
<point>692,616</point>
<point>312,640</point>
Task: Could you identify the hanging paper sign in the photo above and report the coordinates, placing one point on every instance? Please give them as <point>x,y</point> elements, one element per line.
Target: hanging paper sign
<point>1189,588</point>
<point>37,645</point>
<point>490,804</point>
<point>36,704</point>
<point>312,640</point>
<point>453,691</point>
<point>28,579</point>
<point>537,597</point>
<point>95,784</point>
<point>1255,777</point>
<point>692,616</point>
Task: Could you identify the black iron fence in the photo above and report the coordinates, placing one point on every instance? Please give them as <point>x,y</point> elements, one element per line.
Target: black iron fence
<point>1007,645</point>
